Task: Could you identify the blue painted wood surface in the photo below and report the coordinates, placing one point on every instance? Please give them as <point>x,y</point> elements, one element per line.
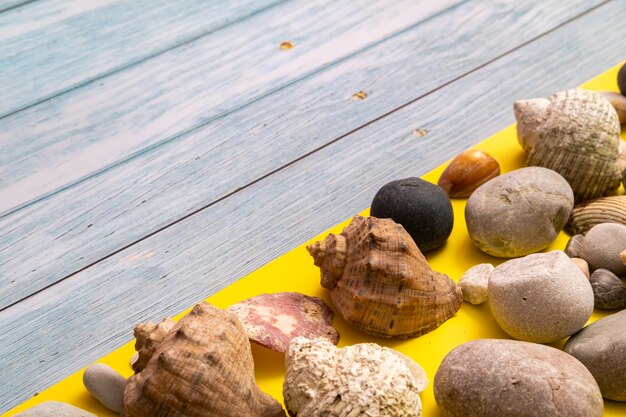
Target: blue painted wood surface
<point>301,160</point>
<point>90,221</point>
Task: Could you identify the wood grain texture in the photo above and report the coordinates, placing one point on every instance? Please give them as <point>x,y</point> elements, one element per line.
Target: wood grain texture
<point>69,326</point>
<point>68,138</point>
<point>42,244</point>
<point>51,46</point>
<point>6,5</point>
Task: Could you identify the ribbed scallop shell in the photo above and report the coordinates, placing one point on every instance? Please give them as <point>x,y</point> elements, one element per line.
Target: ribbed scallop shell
<point>575,133</point>
<point>380,281</point>
<point>202,368</point>
<point>600,210</point>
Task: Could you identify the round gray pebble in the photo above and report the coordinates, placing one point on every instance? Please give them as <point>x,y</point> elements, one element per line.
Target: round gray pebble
<point>498,378</point>
<point>601,347</point>
<point>518,213</point>
<point>106,385</point>
<point>55,409</point>
<point>474,283</point>
<point>540,298</point>
<point>572,249</point>
<point>609,292</point>
<point>602,245</point>
<point>582,265</point>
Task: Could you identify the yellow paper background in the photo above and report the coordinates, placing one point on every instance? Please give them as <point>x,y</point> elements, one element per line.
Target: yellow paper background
<point>295,271</point>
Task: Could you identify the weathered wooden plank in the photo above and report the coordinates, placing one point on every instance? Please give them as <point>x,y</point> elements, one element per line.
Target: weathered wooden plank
<point>6,5</point>
<point>42,244</point>
<point>52,46</point>
<point>53,144</point>
<point>64,328</point>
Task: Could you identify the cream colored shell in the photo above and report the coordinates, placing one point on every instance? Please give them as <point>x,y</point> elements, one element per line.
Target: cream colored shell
<point>575,133</point>
<point>363,380</point>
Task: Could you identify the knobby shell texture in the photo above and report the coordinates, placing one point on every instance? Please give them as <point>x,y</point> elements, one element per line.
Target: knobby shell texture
<point>362,380</point>
<point>380,281</point>
<point>149,336</point>
<point>575,133</point>
<point>202,368</point>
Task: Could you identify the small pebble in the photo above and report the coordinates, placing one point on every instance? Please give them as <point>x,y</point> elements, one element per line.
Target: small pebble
<point>601,347</point>
<point>540,298</point>
<point>602,246</point>
<point>572,249</point>
<point>609,292</point>
<point>622,256</point>
<point>422,208</point>
<point>54,409</point>
<point>582,265</point>
<point>468,171</point>
<point>500,378</point>
<point>621,79</point>
<point>106,385</point>
<point>518,213</point>
<point>474,283</point>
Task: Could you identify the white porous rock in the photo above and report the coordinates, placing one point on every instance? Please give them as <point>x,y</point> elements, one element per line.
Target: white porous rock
<point>364,380</point>
<point>474,283</point>
<point>106,385</point>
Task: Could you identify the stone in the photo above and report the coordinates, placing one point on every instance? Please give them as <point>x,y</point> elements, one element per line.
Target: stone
<point>609,292</point>
<point>621,79</point>
<point>106,385</point>
<point>602,246</point>
<point>601,347</point>
<point>582,265</point>
<point>572,249</point>
<point>497,378</point>
<point>474,283</point>
<point>422,208</point>
<point>54,409</point>
<point>518,213</point>
<point>540,298</point>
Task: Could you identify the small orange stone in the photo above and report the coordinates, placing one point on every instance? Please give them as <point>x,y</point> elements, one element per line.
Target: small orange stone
<point>360,95</point>
<point>468,171</point>
<point>286,45</point>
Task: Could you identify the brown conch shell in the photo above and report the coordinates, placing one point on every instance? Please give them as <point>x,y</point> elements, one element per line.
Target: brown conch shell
<point>149,336</point>
<point>600,210</point>
<point>202,368</point>
<point>380,281</point>
<point>575,133</point>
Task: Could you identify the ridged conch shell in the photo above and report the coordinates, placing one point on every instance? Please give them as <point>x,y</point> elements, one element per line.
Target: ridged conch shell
<point>575,133</point>
<point>361,380</point>
<point>380,281</point>
<point>600,210</point>
<point>202,368</point>
<point>149,336</point>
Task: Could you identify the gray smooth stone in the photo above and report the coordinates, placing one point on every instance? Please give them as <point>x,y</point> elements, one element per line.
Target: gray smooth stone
<point>609,292</point>
<point>541,297</point>
<point>602,245</point>
<point>106,385</point>
<point>54,409</point>
<point>572,249</point>
<point>498,378</point>
<point>518,213</point>
<point>601,347</point>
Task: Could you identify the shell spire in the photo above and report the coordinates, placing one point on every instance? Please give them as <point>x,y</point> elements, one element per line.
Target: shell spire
<point>575,133</point>
<point>380,281</point>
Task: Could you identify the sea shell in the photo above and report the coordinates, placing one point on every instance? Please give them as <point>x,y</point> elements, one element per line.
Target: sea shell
<point>361,380</point>
<point>618,102</point>
<point>149,336</point>
<point>467,172</point>
<point>575,133</point>
<point>380,281</point>
<point>203,368</point>
<point>600,210</point>
<point>272,320</point>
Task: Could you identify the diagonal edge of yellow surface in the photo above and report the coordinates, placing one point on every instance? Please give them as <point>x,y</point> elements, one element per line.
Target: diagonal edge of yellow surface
<point>295,271</point>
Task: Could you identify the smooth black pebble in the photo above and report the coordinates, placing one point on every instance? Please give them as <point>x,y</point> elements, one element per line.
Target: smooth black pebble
<point>621,79</point>
<point>422,208</point>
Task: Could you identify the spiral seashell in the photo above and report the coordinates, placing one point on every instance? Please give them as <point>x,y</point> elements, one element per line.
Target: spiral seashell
<point>149,336</point>
<point>600,210</point>
<point>202,368</point>
<point>575,133</point>
<point>380,281</point>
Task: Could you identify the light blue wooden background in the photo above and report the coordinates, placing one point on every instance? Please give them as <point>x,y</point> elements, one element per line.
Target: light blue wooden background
<point>154,151</point>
